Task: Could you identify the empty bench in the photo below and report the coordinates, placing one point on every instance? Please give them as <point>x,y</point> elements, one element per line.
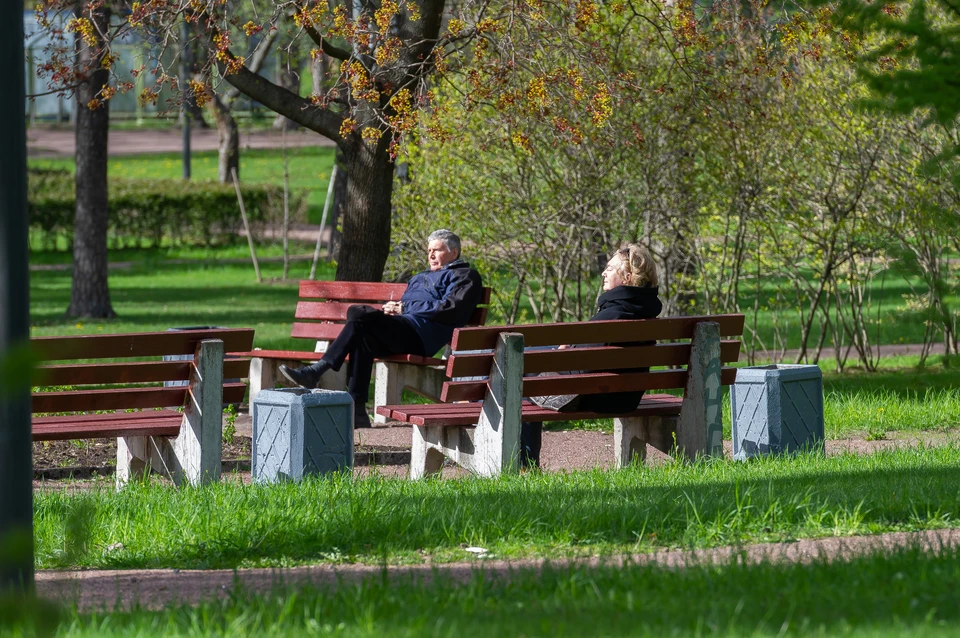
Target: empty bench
<point>477,425</point>
<point>320,315</point>
<point>176,430</point>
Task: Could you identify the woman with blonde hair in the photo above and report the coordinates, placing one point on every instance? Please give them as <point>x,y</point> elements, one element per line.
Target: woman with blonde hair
<point>629,292</point>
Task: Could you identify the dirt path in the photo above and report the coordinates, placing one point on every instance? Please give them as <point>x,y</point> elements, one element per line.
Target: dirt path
<point>154,589</point>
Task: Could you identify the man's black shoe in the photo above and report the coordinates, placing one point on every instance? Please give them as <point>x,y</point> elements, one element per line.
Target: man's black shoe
<point>305,377</point>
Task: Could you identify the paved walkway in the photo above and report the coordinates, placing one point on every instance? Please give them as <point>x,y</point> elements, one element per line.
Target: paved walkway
<point>157,588</point>
<point>61,142</point>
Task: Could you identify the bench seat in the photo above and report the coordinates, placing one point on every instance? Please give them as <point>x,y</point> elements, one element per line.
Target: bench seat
<point>296,355</point>
<point>96,426</point>
<point>467,414</point>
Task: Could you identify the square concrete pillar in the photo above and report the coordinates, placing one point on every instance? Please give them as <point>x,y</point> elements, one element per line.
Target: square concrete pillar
<point>298,432</point>
<point>777,409</point>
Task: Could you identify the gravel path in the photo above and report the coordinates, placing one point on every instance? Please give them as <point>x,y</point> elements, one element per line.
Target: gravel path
<point>154,589</point>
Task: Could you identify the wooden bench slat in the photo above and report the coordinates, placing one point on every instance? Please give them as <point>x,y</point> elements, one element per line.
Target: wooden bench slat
<point>460,414</point>
<point>107,416</point>
<point>353,291</point>
<point>295,355</point>
<point>112,399</point>
<point>618,331</point>
<point>129,372</point>
<point>360,291</point>
<point>123,398</point>
<point>591,383</point>
<point>600,358</point>
<point>94,426</point>
<point>141,344</point>
<point>316,331</point>
<point>336,312</point>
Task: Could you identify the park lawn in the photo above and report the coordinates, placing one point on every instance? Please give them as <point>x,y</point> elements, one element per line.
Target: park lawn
<point>342,519</point>
<point>310,169</point>
<point>907,592</point>
<point>155,296</point>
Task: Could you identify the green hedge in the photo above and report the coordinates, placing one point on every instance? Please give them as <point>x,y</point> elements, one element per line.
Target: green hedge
<point>151,210</point>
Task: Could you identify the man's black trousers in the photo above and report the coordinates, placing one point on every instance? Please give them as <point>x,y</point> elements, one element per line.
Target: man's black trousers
<point>368,334</point>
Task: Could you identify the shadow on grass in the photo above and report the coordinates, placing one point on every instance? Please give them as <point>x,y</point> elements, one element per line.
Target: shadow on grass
<point>638,509</point>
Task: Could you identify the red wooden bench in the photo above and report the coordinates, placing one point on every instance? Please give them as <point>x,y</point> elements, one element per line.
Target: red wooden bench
<point>478,423</point>
<point>127,399</point>
<point>320,315</point>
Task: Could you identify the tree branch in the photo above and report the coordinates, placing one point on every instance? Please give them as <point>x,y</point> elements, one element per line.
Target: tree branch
<point>255,63</point>
<point>286,103</point>
<point>325,46</point>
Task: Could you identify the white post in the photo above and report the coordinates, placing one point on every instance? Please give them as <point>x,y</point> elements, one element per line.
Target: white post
<point>700,431</point>
<point>323,222</point>
<point>497,436</point>
<point>194,456</point>
<point>630,440</point>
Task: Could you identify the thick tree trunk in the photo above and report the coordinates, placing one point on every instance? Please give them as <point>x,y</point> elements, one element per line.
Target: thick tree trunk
<point>228,136</point>
<point>365,243</point>
<point>90,296</point>
<point>290,80</point>
<point>339,207</point>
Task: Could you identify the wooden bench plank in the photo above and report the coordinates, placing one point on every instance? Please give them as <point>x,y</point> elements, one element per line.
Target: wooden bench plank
<point>619,331</point>
<point>360,291</point>
<point>465,414</point>
<point>129,372</point>
<point>598,358</point>
<point>141,344</point>
<point>590,383</point>
<point>296,355</point>
<point>123,398</point>
<point>91,426</point>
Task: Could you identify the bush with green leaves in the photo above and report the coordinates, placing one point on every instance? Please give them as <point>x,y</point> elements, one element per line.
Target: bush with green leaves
<point>151,211</point>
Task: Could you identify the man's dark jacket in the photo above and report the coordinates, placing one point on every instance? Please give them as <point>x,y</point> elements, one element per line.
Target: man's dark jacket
<point>623,302</point>
<point>438,301</point>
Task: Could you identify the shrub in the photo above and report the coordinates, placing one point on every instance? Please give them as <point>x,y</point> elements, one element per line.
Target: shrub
<point>149,211</point>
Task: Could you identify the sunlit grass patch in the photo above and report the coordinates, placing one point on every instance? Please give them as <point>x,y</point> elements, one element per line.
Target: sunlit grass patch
<point>342,519</point>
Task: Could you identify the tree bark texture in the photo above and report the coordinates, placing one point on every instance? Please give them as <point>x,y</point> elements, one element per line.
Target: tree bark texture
<point>90,295</point>
<point>228,136</point>
<point>365,243</point>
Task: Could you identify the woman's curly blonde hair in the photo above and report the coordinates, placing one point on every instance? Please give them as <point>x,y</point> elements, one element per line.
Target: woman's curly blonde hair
<point>636,261</point>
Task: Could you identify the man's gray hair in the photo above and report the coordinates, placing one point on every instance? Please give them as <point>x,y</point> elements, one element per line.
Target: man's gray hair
<point>448,237</point>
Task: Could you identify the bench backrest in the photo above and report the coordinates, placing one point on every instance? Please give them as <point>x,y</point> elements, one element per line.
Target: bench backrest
<point>322,309</point>
<point>116,384</point>
<point>586,361</point>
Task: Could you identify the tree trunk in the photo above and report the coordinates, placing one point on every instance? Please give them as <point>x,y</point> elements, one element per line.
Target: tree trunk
<point>90,296</point>
<point>339,207</point>
<point>365,244</point>
<point>229,140</point>
<point>290,80</point>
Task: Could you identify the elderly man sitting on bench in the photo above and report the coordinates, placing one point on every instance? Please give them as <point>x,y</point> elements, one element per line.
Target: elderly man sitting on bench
<point>436,302</point>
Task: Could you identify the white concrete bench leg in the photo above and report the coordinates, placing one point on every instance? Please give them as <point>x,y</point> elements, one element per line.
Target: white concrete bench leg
<point>632,435</point>
<point>194,456</point>
<point>497,436</point>
<point>493,446</point>
<point>630,440</point>
<point>392,378</point>
<point>700,432</point>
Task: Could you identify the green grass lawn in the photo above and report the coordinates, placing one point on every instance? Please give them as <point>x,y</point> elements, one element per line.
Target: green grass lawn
<point>908,592</point>
<point>639,509</point>
<point>310,169</point>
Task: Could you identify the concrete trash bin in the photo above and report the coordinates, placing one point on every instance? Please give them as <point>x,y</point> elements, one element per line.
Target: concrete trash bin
<point>777,409</point>
<point>297,432</point>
